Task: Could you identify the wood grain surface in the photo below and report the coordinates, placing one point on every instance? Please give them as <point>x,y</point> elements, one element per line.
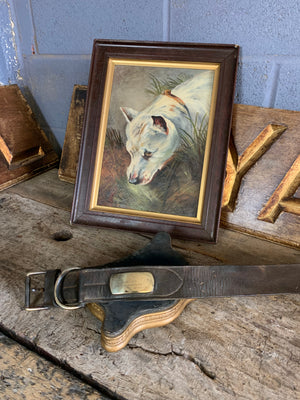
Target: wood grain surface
<point>70,152</point>
<point>24,375</point>
<point>230,348</point>
<point>266,147</point>
<point>24,148</point>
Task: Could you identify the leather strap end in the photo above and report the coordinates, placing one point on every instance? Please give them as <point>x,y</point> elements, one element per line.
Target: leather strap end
<point>49,283</point>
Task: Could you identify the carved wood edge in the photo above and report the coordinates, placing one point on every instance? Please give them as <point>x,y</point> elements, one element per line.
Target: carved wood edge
<point>153,320</point>
<point>238,165</point>
<point>25,150</point>
<point>282,199</point>
<point>260,235</point>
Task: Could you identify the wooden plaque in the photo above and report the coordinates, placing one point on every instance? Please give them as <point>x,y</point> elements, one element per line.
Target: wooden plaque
<point>263,174</point>
<point>24,147</point>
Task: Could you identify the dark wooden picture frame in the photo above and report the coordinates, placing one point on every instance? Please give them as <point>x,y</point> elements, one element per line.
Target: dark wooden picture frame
<point>160,168</point>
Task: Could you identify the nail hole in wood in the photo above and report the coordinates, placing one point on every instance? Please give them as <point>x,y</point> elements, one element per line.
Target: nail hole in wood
<point>62,236</point>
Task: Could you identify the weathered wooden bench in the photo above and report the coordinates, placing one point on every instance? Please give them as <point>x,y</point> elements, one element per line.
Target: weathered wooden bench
<point>245,348</point>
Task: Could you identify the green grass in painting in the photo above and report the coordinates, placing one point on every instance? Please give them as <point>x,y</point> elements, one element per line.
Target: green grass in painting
<point>192,146</point>
<point>114,138</point>
<point>158,86</point>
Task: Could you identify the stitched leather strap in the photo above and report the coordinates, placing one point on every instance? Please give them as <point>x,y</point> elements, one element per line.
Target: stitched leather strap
<point>88,285</point>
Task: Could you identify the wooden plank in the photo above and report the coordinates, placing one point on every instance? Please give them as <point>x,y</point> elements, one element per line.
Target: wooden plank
<point>26,376</point>
<point>19,134</point>
<point>47,189</point>
<point>232,247</point>
<point>24,148</point>
<point>245,347</point>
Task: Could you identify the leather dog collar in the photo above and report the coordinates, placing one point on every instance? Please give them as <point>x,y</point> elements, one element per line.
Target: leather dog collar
<point>76,287</point>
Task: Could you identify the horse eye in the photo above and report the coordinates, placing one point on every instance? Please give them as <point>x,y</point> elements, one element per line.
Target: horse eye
<point>147,154</point>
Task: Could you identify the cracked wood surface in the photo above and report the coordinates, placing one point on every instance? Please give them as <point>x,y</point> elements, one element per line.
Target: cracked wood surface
<point>245,347</point>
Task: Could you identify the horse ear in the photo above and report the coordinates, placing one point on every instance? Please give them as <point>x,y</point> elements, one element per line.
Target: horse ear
<point>129,113</point>
<point>160,122</point>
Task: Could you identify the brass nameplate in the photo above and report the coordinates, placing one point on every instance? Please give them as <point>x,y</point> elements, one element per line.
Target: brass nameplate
<point>132,282</point>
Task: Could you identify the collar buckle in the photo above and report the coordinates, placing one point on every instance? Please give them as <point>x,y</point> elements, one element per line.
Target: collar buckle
<point>29,306</point>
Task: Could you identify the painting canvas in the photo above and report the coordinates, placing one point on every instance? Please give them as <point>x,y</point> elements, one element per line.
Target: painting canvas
<point>155,137</point>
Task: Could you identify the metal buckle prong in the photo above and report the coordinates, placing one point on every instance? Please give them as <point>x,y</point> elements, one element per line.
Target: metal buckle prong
<point>28,290</point>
